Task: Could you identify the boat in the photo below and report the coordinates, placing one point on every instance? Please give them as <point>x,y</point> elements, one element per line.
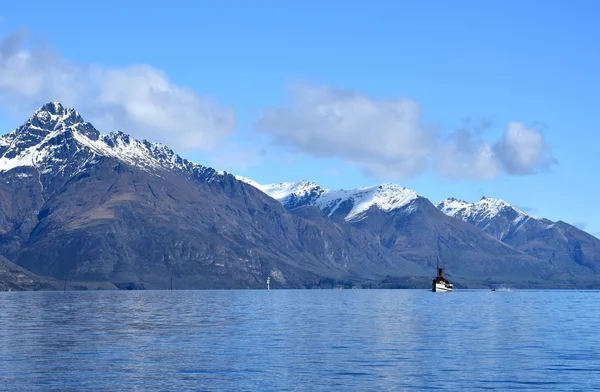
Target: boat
<point>441,284</point>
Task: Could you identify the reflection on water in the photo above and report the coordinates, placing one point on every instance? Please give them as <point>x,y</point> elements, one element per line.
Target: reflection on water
<point>299,340</point>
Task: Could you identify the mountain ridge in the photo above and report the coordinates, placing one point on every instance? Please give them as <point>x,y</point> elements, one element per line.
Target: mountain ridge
<point>387,197</point>
<point>77,204</point>
<point>80,205</point>
<point>559,247</point>
<point>561,244</point>
<point>411,226</point>
<point>17,150</point>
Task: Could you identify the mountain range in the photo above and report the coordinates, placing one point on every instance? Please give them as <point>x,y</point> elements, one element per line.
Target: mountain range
<point>82,206</point>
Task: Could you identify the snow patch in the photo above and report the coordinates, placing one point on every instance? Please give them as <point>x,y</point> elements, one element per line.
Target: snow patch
<point>34,144</point>
<point>386,197</point>
<point>284,189</point>
<point>494,216</point>
<point>26,158</point>
<point>485,209</point>
<point>248,181</point>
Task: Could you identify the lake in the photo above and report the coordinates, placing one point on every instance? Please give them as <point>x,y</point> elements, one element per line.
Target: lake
<point>299,340</point>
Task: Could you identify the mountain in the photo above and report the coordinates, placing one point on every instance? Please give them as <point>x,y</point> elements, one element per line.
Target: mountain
<point>79,205</point>
<point>568,251</point>
<point>494,216</point>
<point>410,226</point>
<point>114,211</point>
<point>351,205</point>
<point>15,278</point>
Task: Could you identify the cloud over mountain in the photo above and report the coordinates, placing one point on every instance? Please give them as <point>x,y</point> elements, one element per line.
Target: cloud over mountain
<point>522,150</point>
<point>388,138</point>
<point>139,99</point>
<point>383,136</point>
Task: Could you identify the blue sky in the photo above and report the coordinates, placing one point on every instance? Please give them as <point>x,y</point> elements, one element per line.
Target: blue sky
<point>346,94</point>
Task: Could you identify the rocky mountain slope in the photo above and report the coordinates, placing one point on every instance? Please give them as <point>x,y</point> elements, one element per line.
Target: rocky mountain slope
<point>567,250</point>
<point>13,278</point>
<point>16,278</point>
<point>80,205</point>
<point>409,225</point>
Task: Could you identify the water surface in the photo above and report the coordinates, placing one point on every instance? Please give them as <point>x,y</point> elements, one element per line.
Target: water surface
<point>299,340</point>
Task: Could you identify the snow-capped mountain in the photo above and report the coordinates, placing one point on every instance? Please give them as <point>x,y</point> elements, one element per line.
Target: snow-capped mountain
<point>57,141</point>
<point>81,205</point>
<point>405,222</point>
<point>558,243</point>
<point>352,203</point>
<point>494,216</point>
<point>485,208</point>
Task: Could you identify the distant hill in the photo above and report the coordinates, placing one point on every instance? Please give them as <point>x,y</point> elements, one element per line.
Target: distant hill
<point>15,278</point>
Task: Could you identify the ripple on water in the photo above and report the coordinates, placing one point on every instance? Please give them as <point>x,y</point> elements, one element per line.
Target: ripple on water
<point>299,340</point>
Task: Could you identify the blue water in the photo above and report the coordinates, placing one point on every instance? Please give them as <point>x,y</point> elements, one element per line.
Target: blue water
<point>303,340</point>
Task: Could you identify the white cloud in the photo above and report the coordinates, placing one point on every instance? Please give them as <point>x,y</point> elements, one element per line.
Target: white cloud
<point>475,160</point>
<point>138,99</point>
<point>522,150</point>
<point>389,139</point>
<point>384,136</point>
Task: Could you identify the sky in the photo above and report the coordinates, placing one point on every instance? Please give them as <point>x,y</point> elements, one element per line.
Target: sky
<point>457,99</point>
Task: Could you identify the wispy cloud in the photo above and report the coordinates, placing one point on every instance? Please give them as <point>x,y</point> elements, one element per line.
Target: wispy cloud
<point>389,138</point>
<point>386,138</point>
<point>522,150</point>
<point>383,136</point>
<point>138,99</point>
<point>235,157</point>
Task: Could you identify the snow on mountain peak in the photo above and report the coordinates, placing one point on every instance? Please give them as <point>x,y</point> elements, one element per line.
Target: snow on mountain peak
<point>485,209</point>
<point>55,108</point>
<point>53,135</point>
<point>52,115</point>
<point>494,216</point>
<point>248,181</point>
<point>386,197</point>
<point>284,189</point>
<point>452,206</point>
